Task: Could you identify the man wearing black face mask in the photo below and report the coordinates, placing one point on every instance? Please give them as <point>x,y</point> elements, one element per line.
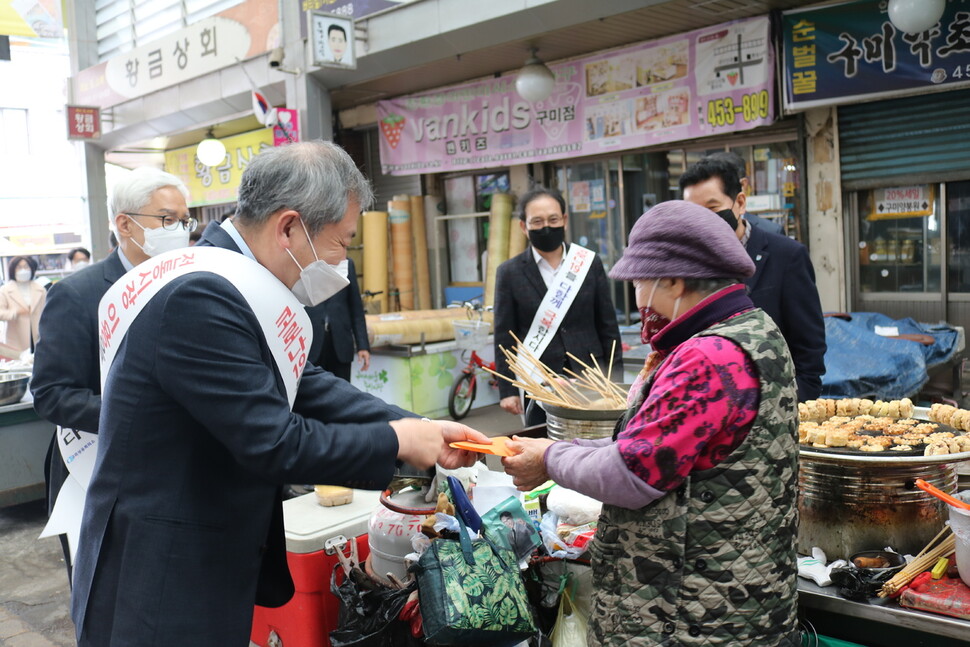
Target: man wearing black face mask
<point>585,321</point>
<point>783,284</point>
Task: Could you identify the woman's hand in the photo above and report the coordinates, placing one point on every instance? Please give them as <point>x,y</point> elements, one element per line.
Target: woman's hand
<point>528,466</point>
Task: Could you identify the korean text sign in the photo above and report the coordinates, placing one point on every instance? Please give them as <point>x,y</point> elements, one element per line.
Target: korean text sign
<point>851,51</point>
<point>700,83</point>
<point>217,184</point>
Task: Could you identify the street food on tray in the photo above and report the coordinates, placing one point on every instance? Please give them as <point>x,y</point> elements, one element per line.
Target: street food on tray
<point>870,433</point>
<point>823,409</point>
<point>950,415</point>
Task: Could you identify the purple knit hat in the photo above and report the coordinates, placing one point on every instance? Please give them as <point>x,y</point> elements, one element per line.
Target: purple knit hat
<point>678,239</point>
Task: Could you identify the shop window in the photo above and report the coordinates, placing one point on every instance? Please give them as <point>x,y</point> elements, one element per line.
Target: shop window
<point>899,240</point>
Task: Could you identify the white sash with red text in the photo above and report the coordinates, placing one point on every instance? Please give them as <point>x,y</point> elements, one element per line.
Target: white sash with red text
<point>283,320</point>
<point>559,297</point>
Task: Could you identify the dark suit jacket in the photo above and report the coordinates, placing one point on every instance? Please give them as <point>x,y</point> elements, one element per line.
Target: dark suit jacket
<point>183,526</point>
<point>588,328</point>
<point>339,321</point>
<point>66,381</point>
<point>783,285</point>
<point>771,226</point>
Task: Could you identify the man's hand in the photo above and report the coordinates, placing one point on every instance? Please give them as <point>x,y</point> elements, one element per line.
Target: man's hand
<point>453,432</point>
<point>422,443</point>
<point>512,404</point>
<point>364,357</point>
<point>418,441</point>
<point>528,466</point>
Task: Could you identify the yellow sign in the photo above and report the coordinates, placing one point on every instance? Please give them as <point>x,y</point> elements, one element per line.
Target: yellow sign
<point>902,202</point>
<point>217,184</point>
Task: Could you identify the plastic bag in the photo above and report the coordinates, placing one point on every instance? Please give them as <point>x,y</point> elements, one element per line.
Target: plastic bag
<point>571,623</point>
<point>368,617</point>
<point>554,545</point>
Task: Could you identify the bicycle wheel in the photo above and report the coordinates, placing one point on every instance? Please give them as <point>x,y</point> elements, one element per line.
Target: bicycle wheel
<point>462,395</point>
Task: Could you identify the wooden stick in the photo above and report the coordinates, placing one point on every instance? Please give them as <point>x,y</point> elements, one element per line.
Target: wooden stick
<point>609,369</point>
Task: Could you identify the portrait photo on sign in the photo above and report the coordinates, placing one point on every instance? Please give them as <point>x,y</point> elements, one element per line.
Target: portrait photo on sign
<point>333,40</point>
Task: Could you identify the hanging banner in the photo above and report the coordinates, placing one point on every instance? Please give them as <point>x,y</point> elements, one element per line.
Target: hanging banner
<point>704,82</point>
<point>217,184</point>
<point>850,52</point>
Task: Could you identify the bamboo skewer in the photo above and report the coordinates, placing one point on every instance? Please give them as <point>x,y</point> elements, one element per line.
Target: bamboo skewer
<point>924,561</point>
<point>541,383</point>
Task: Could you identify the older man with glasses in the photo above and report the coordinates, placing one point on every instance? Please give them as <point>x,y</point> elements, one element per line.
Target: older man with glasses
<point>66,381</point>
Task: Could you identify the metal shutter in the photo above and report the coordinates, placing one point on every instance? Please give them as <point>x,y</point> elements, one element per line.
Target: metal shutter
<point>386,186</point>
<point>913,140</point>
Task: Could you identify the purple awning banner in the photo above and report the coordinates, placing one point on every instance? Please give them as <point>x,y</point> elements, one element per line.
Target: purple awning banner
<point>701,83</point>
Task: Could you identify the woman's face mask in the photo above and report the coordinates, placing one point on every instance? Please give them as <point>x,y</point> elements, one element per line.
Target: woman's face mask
<point>22,276</point>
<point>651,321</point>
<point>319,280</point>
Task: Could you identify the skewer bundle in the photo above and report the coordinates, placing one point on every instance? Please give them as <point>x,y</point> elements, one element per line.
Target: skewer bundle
<point>922,562</point>
<point>589,389</point>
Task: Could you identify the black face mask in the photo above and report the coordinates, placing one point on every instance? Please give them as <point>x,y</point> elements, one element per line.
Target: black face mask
<point>728,216</point>
<point>547,239</point>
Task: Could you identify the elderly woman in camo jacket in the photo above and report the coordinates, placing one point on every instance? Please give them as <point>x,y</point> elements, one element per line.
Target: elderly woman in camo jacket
<point>695,545</point>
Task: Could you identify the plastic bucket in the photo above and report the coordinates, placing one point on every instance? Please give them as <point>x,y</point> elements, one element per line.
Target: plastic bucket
<point>960,523</point>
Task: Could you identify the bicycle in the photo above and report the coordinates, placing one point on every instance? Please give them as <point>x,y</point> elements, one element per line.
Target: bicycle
<point>469,336</point>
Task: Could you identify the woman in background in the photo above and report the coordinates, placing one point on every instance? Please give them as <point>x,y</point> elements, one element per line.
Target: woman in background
<point>21,302</point>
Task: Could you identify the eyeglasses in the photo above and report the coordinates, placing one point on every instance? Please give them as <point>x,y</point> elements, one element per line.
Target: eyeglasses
<point>171,223</point>
<point>539,223</point>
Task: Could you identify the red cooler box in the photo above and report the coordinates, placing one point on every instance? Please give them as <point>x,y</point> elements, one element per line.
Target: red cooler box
<point>308,619</point>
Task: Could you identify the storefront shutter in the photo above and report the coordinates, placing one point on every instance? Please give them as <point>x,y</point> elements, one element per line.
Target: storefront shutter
<point>912,140</point>
<point>386,186</point>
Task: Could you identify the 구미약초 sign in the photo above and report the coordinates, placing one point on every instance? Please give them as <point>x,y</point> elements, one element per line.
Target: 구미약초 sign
<point>902,202</point>
<point>851,51</point>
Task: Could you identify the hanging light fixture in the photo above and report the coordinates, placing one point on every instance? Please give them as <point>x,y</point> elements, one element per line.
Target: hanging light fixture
<point>915,16</point>
<point>211,151</point>
<point>535,81</point>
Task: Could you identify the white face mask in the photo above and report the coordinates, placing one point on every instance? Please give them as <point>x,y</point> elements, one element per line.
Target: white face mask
<point>319,280</point>
<point>22,276</point>
<point>158,241</point>
<point>80,265</point>
<point>343,269</point>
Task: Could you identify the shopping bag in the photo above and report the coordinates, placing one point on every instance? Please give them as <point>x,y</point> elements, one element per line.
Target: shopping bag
<point>471,593</point>
<point>571,623</point>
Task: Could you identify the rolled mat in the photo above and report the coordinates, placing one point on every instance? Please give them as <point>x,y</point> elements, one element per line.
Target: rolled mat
<point>406,327</point>
<point>419,229</point>
<point>498,240</point>
<point>517,240</point>
<point>402,251</point>
<point>375,258</point>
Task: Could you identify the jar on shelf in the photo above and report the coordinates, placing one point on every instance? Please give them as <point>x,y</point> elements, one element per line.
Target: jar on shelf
<point>892,251</point>
<point>906,252</point>
<point>879,254</point>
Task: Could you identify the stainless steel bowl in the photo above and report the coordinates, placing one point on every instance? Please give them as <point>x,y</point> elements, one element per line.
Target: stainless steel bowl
<point>13,386</point>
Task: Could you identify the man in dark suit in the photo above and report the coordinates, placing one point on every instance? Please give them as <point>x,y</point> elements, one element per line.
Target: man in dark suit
<point>589,326</point>
<point>66,382</point>
<point>338,328</point>
<point>183,525</point>
<point>783,284</point>
<point>771,226</point>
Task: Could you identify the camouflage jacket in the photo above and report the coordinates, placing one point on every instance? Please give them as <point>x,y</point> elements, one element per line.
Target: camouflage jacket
<point>713,562</point>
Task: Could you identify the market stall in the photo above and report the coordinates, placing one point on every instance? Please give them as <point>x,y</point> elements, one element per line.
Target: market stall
<point>24,439</point>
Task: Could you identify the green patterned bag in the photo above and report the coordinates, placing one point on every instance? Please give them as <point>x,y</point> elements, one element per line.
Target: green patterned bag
<point>472,594</point>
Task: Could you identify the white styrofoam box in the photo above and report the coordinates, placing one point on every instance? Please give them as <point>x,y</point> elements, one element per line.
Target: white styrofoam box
<point>309,525</point>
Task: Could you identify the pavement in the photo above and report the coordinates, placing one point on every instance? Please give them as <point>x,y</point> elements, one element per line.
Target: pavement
<point>34,593</point>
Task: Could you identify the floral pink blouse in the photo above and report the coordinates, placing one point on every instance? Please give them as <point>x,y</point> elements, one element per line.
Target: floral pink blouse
<point>702,404</point>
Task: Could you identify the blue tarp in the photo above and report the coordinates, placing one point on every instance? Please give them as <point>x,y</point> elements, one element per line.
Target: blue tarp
<point>859,363</point>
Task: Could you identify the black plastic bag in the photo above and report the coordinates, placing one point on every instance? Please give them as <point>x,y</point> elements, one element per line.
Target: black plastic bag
<point>859,584</point>
<point>368,615</point>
